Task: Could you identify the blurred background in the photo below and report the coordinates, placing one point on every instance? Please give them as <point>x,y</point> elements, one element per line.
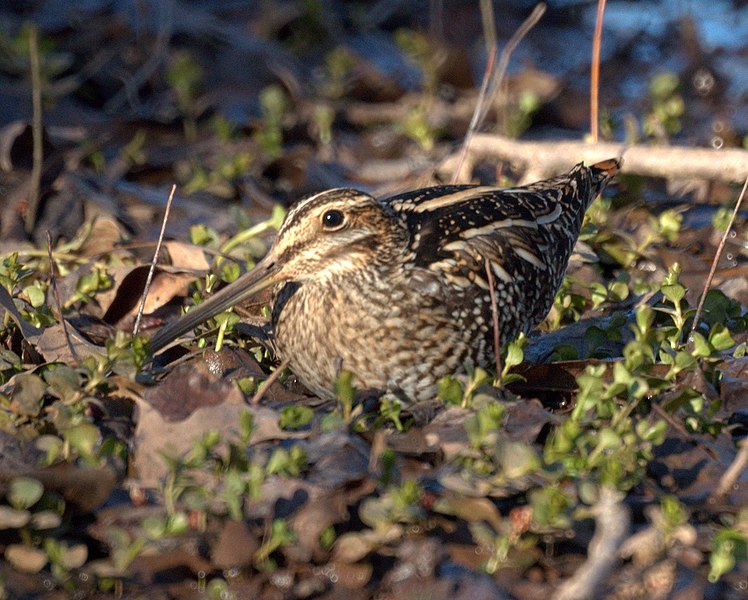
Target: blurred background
<point>251,103</point>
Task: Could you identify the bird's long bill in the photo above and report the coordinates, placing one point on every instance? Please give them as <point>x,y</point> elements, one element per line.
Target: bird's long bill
<point>265,274</point>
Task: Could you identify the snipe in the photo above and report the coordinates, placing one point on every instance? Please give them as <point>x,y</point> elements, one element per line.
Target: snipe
<point>397,290</point>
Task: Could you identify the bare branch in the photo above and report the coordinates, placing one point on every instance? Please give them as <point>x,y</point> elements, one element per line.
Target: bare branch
<point>553,157</point>
<point>734,471</point>
<point>611,528</point>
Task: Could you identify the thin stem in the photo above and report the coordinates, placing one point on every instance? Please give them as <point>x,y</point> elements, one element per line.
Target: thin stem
<point>495,320</point>
<point>717,256</point>
<point>492,79</point>
<point>595,71</point>
<point>55,294</point>
<point>154,260</point>
<point>269,381</point>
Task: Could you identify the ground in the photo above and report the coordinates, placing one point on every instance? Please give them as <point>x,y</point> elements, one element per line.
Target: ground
<point>606,460</point>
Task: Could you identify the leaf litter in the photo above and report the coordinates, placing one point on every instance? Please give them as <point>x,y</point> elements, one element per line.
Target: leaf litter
<point>123,479</point>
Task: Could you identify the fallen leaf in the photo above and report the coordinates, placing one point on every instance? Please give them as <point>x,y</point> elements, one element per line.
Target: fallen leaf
<point>235,546</point>
<point>186,256</point>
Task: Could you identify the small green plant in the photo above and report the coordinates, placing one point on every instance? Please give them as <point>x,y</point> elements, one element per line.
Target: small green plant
<point>420,50</point>
<point>668,106</point>
<point>280,534</point>
<point>451,390</point>
<point>521,117</point>
<point>220,178</point>
<point>184,75</point>
<point>416,126</point>
<point>729,546</point>
<point>346,392</point>
<point>295,416</point>
<point>336,72</point>
<point>274,106</point>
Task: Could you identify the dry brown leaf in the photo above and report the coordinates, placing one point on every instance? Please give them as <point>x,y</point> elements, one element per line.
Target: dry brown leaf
<point>235,546</point>
<point>187,256</point>
<point>187,404</point>
<point>123,298</point>
<point>106,232</point>
<point>54,347</point>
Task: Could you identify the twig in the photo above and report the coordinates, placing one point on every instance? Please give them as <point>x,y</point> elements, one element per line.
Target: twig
<point>154,260</point>
<point>488,22</point>
<point>611,528</point>
<point>508,50</point>
<point>493,79</point>
<point>717,256</point>
<point>553,157</point>
<point>36,132</point>
<point>495,320</point>
<point>680,428</point>
<point>729,477</point>
<point>55,294</point>
<point>595,71</point>
<point>269,381</point>
<point>474,120</point>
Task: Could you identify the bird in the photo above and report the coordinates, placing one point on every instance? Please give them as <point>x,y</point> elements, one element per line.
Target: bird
<point>398,291</point>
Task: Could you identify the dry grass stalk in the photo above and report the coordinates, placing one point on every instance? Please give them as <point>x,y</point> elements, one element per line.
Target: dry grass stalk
<point>717,256</point>
<point>154,260</point>
<point>270,381</point>
<point>495,320</point>
<point>58,304</point>
<point>493,78</point>
<point>595,72</point>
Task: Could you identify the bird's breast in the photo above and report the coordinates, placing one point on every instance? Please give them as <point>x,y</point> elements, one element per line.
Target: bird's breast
<point>385,330</point>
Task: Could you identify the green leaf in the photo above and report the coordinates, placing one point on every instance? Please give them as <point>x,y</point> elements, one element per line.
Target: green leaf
<point>729,546</point>
<point>24,492</point>
<point>720,337</point>
<point>63,381</point>
<point>83,438</point>
<point>669,224</point>
<point>35,295</point>
<point>246,421</point>
<point>701,347</point>
<point>230,272</point>
<point>46,519</point>
<point>295,416</point>
<point>514,357</point>
<point>675,293</point>
<point>685,361</point>
<point>618,291</point>
<point>644,318</point>
<point>599,294</point>
<point>25,558</point>
<point>344,388</point>
<point>450,390</point>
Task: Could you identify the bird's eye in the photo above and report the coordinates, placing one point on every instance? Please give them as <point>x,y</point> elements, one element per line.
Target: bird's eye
<point>332,219</point>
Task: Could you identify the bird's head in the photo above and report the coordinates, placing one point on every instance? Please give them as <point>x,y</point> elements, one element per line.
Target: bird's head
<point>325,235</point>
<point>333,233</point>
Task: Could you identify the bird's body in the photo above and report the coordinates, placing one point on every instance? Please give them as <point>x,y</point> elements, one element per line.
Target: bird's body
<point>397,291</point>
